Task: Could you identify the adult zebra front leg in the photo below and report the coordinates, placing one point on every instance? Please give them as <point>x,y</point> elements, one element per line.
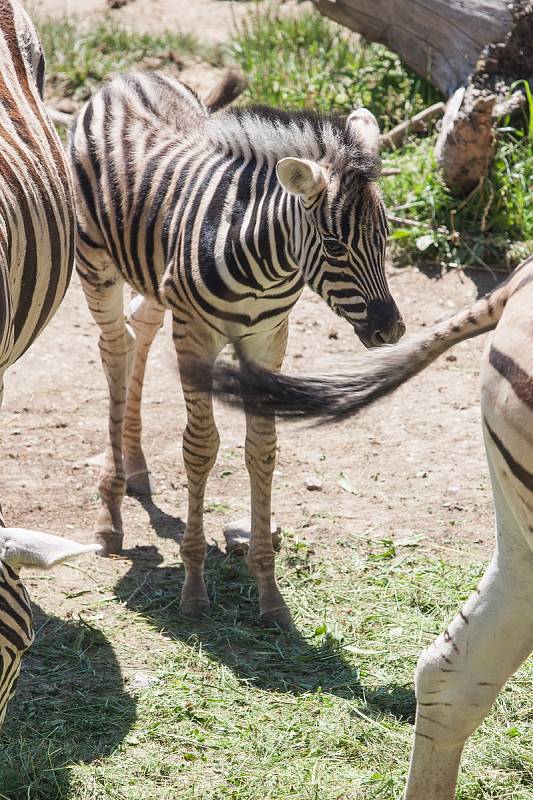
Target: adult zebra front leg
<point>268,351</point>
<point>200,449</point>
<point>145,318</point>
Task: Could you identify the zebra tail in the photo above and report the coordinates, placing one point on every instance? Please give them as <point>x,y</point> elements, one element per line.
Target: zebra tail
<point>229,87</point>
<point>375,374</point>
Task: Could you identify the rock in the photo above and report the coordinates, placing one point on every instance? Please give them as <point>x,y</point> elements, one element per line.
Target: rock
<point>237,535</point>
<point>313,483</point>
<point>143,680</point>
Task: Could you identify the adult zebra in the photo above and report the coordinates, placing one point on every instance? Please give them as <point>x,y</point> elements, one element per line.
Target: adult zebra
<point>221,219</point>
<point>459,676</point>
<point>36,258</point>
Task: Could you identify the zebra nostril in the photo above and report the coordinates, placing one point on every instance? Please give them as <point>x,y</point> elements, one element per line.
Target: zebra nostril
<point>390,336</point>
<point>400,329</point>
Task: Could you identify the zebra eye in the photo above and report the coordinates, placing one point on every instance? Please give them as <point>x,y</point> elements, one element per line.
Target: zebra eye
<point>334,248</point>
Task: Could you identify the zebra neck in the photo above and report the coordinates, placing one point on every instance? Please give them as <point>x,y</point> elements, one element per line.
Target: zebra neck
<point>237,230</point>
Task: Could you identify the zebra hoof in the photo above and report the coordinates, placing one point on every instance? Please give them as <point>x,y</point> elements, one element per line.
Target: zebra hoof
<point>194,607</point>
<point>111,542</point>
<point>140,483</point>
<point>278,618</point>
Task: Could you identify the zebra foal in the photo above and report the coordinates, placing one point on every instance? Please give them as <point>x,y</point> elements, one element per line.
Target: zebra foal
<point>460,675</point>
<point>36,259</point>
<point>222,219</point>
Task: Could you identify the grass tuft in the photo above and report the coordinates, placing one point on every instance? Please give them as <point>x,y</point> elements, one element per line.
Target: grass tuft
<point>79,60</point>
<point>237,711</point>
<point>308,61</point>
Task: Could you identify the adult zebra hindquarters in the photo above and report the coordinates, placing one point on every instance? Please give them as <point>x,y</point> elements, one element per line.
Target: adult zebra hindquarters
<point>460,675</point>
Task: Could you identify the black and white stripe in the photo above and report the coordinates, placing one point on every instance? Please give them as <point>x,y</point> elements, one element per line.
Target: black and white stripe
<point>16,632</point>
<point>36,205</point>
<point>36,259</point>
<point>166,189</point>
<point>460,674</point>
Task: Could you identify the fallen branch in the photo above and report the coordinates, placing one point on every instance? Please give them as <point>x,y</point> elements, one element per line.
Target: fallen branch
<point>408,223</point>
<point>60,118</point>
<point>417,124</point>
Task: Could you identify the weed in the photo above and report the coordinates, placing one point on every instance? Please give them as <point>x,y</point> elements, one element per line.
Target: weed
<point>78,60</point>
<point>309,61</point>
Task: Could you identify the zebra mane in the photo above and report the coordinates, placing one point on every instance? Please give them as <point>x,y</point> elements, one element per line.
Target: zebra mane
<point>272,134</point>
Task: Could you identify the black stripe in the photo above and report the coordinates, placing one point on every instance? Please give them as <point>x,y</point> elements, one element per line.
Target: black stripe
<point>520,380</point>
<point>521,473</point>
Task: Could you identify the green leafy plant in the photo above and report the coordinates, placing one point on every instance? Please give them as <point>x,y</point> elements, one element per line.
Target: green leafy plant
<point>308,61</point>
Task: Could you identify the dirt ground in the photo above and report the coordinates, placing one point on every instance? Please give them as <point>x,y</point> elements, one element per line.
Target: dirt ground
<point>210,20</point>
<point>414,463</point>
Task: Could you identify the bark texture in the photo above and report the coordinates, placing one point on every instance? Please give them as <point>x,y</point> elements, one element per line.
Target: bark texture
<point>473,51</point>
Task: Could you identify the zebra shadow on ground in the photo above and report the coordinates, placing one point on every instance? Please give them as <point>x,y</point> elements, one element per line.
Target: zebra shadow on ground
<point>70,708</point>
<point>233,634</point>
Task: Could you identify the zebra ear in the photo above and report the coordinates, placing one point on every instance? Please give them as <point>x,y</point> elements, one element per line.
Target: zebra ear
<point>300,176</point>
<point>364,129</point>
<point>23,548</point>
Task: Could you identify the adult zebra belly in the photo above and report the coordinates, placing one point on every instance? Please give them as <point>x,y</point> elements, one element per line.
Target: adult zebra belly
<point>38,255</point>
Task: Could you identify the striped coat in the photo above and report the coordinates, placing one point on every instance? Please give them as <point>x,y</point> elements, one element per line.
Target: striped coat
<point>459,676</point>
<point>36,259</point>
<point>222,218</point>
<point>36,204</point>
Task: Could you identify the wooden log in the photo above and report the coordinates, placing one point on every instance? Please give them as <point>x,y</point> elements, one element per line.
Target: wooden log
<point>466,142</point>
<point>481,47</point>
<point>441,40</point>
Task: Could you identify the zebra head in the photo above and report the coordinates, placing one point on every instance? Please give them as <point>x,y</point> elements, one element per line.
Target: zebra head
<point>23,548</point>
<point>343,235</point>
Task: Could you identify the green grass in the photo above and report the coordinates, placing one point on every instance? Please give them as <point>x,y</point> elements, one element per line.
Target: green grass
<point>312,62</point>
<point>492,226</point>
<point>79,60</point>
<point>241,712</point>
<point>309,62</point>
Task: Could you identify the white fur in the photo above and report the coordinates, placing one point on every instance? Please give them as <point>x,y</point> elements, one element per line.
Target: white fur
<point>301,177</point>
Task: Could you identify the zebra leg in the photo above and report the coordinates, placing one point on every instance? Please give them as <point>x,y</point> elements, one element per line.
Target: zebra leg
<point>146,317</point>
<point>200,449</point>
<point>2,523</point>
<point>260,453</point>
<point>104,293</point>
<point>460,675</point>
